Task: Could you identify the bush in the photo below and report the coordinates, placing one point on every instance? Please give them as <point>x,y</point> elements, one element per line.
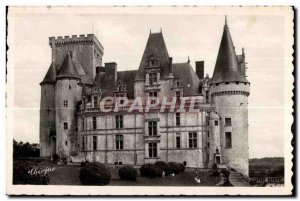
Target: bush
<point>83,163</point>
<point>174,167</point>
<point>150,170</point>
<point>128,173</point>
<point>25,172</point>
<point>163,166</point>
<point>181,167</point>
<point>94,174</point>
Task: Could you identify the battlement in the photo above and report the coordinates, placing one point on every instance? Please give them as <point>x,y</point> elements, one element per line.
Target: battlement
<point>82,38</point>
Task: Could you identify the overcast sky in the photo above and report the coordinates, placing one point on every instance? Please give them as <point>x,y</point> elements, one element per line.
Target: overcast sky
<point>124,37</point>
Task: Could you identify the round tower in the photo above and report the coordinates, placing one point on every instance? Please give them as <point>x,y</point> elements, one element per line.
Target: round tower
<point>47,113</point>
<point>68,93</point>
<point>229,91</point>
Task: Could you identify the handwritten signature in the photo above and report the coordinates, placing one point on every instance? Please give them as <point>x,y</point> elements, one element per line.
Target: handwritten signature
<point>41,171</point>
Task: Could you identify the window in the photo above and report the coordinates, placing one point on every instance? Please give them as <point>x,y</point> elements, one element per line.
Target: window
<point>65,125</point>
<point>152,128</point>
<point>178,140</point>
<point>119,121</point>
<point>82,123</point>
<point>95,102</point>
<point>178,95</point>
<point>177,119</point>
<point>178,84</point>
<point>65,103</point>
<point>227,121</point>
<point>228,142</point>
<point>94,142</point>
<point>152,78</point>
<point>153,94</point>
<point>216,123</point>
<point>207,133</point>
<point>208,145</point>
<point>193,140</point>
<point>66,143</point>
<point>83,143</point>
<point>94,122</point>
<point>119,142</point>
<point>152,150</point>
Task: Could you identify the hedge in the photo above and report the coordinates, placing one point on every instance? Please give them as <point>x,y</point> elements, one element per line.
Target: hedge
<point>150,170</point>
<point>128,173</point>
<point>94,174</point>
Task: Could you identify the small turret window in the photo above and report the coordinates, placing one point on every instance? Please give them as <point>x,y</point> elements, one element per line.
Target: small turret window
<point>65,125</point>
<point>227,121</point>
<point>228,140</point>
<point>216,123</point>
<point>66,103</point>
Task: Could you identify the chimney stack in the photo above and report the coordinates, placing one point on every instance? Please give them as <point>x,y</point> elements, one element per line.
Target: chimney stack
<point>200,69</point>
<point>111,72</point>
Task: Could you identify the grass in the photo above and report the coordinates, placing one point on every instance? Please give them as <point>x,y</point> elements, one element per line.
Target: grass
<point>69,175</point>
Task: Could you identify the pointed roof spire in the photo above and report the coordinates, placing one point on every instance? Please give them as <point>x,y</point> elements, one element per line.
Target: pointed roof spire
<point>227,68</point>
<point>155,47</point>
<point>188,59</point>
<point>67,69</point>
<point>50,75</point>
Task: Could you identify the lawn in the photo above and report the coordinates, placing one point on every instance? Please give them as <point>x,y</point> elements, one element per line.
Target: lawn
<point>69,175</point>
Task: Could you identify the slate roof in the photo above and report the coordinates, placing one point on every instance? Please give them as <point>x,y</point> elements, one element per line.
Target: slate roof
<point>68,69</point>
<point>50,75</point>
<point>227,68</point>
<point>189,78</point>
<point>127,77</point>
<point>155,46</point>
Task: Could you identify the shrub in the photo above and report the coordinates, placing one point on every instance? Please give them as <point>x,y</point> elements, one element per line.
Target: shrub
<point>25,172</point>
<point>83,163</point>
<point>182,167</point>
<point>55,158</point>
<point>174,167</point>
<point>128,173</point>
<point>163,166</point>
<point>94,174</point>
<point>150,170</point>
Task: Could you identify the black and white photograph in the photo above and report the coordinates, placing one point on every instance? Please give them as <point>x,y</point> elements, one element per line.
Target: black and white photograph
<point>149,100</point>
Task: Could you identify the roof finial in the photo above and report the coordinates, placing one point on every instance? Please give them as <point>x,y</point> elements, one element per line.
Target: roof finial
<point>160,30</point>
<point>150,31</point>
<point>226,25</point>
<point>188,59</point>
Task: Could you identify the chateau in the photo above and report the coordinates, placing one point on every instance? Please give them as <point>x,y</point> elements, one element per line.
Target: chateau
<point>73,125</point>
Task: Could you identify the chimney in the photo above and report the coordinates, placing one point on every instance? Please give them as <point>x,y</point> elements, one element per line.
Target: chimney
<point>200,69</point>
<point>100,69</point>
<point>111,72</point>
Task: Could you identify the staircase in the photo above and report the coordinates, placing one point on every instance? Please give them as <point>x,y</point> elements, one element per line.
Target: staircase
<point>236,179</point>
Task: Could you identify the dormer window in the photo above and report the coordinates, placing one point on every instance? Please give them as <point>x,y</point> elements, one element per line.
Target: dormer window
<point>152,78</point>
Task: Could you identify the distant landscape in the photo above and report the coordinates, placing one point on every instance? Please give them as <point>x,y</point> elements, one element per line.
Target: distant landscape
<point>266,167</point>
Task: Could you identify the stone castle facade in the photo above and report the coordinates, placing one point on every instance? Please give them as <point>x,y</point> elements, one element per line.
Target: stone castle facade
<point>73,126</point>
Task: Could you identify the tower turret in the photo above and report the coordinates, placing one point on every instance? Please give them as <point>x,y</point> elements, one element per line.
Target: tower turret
<point>47,113</point>
<point>229,92</point>
<point>68,93</point>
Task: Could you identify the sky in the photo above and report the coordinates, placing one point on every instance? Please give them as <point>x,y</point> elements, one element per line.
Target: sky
<point>124,34</point>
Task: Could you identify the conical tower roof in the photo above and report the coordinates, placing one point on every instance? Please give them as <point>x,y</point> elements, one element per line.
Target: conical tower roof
<point>227,68</point>
<point>67,69</point>
<point>50,75</point>
<point>155,47</point>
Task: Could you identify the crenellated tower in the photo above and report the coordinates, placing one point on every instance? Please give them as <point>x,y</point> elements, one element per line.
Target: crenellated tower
<point>229,92</point>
